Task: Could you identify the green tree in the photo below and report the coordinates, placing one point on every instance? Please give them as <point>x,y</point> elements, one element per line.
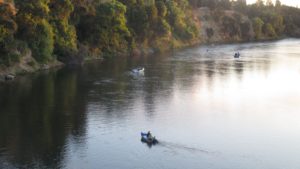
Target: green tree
<point>8,27</point>
<point>269,30</point>
<point>176,19</point>
<point>162,27</point>
<point>138,21</point>
<point>161,8</point>
<point>277,22</point>
<point>183,27</point>
<point>36,8</point>
<point>35,29</point>
<point>81,9</point>
<point>152,13</point>
<point>257,26</point>
<point>107,29</point>
<point>65,33</point>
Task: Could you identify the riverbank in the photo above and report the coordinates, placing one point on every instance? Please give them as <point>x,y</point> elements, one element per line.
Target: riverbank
<point>28,65</point>
<point>25,67</point>
<point>212,27</point>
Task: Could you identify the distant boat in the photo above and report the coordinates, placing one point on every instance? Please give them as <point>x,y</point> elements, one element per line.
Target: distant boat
<point>138,70</point>
<point>237,55</point>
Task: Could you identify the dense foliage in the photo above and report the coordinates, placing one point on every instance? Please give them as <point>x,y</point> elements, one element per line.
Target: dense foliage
<point>61,29</point>
<point>269,20</point>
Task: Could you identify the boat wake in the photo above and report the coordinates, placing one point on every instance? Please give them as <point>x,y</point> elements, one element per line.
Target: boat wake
<point>174,146</point>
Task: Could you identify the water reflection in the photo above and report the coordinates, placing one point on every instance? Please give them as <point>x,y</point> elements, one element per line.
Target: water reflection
<point>54,119</point>
<point>37,117</point>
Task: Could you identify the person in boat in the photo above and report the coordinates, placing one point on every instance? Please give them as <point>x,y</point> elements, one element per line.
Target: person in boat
<point>149,135</point>
<point>236,55</point>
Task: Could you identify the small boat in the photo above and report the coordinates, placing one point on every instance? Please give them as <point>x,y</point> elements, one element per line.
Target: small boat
<point>237,55</point>
<point>138,70</point>
<point>146,139</point>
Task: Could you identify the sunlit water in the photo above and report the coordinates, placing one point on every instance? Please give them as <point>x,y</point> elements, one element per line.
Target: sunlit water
<point>207,109</point>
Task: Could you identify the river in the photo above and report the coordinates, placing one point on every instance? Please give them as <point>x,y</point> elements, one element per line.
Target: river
<point>207,109</point>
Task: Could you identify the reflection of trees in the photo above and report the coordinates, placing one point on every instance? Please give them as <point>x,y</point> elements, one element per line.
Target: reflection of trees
<point>116,89</point>
<point>37,116</point>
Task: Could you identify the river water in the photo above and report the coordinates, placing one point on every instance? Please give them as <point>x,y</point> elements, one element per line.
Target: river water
<point>207,109</point>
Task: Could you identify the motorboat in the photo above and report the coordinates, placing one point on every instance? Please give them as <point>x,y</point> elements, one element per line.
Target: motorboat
<point>148,139</point>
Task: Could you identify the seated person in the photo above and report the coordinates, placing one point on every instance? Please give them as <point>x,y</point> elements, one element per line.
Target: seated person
<point>149,135</point>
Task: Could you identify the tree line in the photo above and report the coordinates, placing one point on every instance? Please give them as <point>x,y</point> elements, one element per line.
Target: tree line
<point>61,29</point>
<point>269,20</point>
<point>67,30</point>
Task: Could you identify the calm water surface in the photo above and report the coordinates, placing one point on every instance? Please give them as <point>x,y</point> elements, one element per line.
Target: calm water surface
<point>207,109</point>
